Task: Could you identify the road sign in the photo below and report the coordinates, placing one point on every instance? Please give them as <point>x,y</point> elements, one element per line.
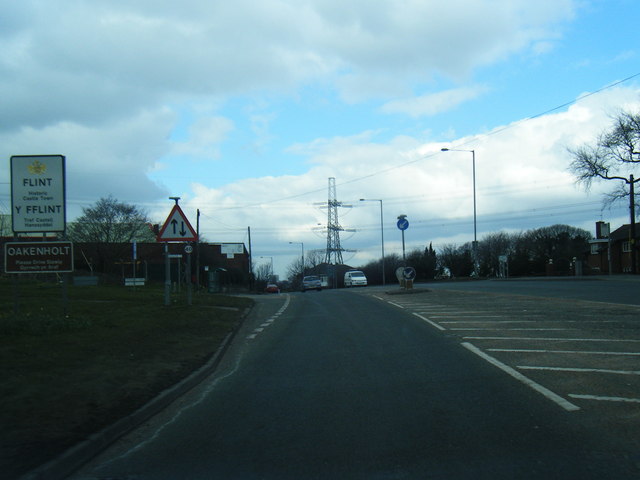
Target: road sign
<point>408,273</point>
<point>38,193</point>
<point>38,257</point>
<point>403,224</point>
<point>177,228</point>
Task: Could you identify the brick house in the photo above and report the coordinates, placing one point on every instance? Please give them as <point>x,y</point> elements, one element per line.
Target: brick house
<point>610,252</point>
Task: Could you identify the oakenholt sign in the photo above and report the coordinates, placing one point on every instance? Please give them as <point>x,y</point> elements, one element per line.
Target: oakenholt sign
<point>38,257</point>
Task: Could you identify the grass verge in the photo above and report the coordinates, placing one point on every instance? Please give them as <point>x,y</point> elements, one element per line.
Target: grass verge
<point>66,376</point>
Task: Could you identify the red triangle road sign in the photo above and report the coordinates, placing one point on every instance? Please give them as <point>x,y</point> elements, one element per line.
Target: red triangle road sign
<point>177,228</point>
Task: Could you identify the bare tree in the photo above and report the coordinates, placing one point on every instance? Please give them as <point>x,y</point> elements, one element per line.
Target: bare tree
<point>111,221</point>
<point>614,156</point>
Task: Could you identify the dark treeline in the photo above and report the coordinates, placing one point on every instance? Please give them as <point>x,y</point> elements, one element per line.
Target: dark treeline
<point>541,251</point>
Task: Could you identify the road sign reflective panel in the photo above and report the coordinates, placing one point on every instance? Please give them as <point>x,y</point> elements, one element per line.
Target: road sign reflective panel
<point>177,228</point>
<point>38,193</point>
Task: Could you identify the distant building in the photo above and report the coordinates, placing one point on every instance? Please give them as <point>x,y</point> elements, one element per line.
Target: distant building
<point>610,252</point>
<point>115,261</point>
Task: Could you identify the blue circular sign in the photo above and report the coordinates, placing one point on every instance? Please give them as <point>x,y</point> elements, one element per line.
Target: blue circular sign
<point>403,224</point>
<point>409,273</point>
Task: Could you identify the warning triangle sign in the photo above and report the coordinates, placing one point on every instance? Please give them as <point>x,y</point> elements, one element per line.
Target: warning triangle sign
<point>177,228</point>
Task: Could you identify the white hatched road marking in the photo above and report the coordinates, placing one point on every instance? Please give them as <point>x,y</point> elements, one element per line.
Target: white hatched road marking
<point>513,329</point>
<point>396,305</point>
<point>468,318</point>
<point>433,324</point>
<point>570,407</point>
<point>542,339</point>
<point>583,352</point>
<point>580,370</point>
<point>605,399</point>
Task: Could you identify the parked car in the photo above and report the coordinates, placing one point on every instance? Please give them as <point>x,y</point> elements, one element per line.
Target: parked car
<point>355,278</point>
<point>272,288</point>
<point>311,282</point>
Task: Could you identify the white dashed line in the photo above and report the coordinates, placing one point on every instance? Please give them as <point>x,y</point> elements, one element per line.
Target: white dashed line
<point>271,319</point>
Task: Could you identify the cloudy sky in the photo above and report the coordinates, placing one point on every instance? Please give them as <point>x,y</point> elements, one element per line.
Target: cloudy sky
<point>245,109</point>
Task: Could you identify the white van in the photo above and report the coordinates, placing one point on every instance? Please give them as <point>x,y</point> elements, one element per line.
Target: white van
<point>355,278</point>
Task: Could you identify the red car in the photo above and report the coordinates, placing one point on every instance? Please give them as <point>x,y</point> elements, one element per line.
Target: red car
<point>272,288</point>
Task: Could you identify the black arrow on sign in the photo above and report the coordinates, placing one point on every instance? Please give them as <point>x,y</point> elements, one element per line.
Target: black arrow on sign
<point>174,223</point>
<point>183,232</point>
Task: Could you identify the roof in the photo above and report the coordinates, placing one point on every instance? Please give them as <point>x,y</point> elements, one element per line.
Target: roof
<point>624,233</point>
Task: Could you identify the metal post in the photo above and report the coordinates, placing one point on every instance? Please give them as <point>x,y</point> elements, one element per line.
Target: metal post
<point>632,232</point>
<point>382,241</point>
<point>198,250</point>
<point>167,276</point>
<point>188,275</point>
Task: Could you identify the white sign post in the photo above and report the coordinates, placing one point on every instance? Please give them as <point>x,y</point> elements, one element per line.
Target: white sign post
<point>38,193</point>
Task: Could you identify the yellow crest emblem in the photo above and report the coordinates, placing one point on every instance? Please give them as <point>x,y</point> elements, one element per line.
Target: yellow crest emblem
<point>37,168</point>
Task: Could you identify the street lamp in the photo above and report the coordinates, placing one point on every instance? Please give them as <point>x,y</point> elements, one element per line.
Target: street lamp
<point>302,244</point>
<point>381,230</point>
<point>474,246</point>
<point>271,273</point>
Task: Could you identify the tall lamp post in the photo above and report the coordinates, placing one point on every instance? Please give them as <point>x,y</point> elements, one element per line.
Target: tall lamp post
<point>302,244</point>
<point>381,230</point>
<point>271,271</point>
<point>474,245</point>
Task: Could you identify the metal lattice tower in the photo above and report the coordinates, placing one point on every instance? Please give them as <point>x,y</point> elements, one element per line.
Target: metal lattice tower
<point>334,250</point>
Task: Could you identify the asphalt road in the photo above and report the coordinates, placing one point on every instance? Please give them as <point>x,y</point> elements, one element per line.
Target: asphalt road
<point>623,289</point>
<point>345,384</point>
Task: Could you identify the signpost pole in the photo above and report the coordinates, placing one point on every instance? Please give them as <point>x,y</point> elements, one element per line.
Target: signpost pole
<point>167,276</point>
<point>188,275</point>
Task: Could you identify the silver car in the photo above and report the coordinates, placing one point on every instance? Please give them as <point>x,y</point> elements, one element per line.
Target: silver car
<point>311,282</point>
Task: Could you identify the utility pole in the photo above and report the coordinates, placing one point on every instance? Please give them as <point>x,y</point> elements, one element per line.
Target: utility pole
<point>632,226</point>
<point>198,250</point>
<point>250,260</point>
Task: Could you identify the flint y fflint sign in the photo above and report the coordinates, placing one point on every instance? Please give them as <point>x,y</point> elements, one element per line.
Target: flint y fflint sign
<point>38,193</point>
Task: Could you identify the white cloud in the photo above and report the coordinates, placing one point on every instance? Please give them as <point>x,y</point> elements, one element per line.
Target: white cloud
<point>93,62</point>
<point>434,103</point>
<point>204,138</point>
<point>522,178</point>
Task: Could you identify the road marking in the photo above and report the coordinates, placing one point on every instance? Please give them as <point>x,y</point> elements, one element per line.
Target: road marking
<point>580,370</point>
<point>514,329</point>
<point>605,399</point>
<point>397,305</point>
<point>570,407</point>
<point>493,321</point>
<point>465,314</point>
<point>542,339</point>
<point>500,322</point>
<point>433,324</point>
<point>271,319</point>
<point>525,350</point>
